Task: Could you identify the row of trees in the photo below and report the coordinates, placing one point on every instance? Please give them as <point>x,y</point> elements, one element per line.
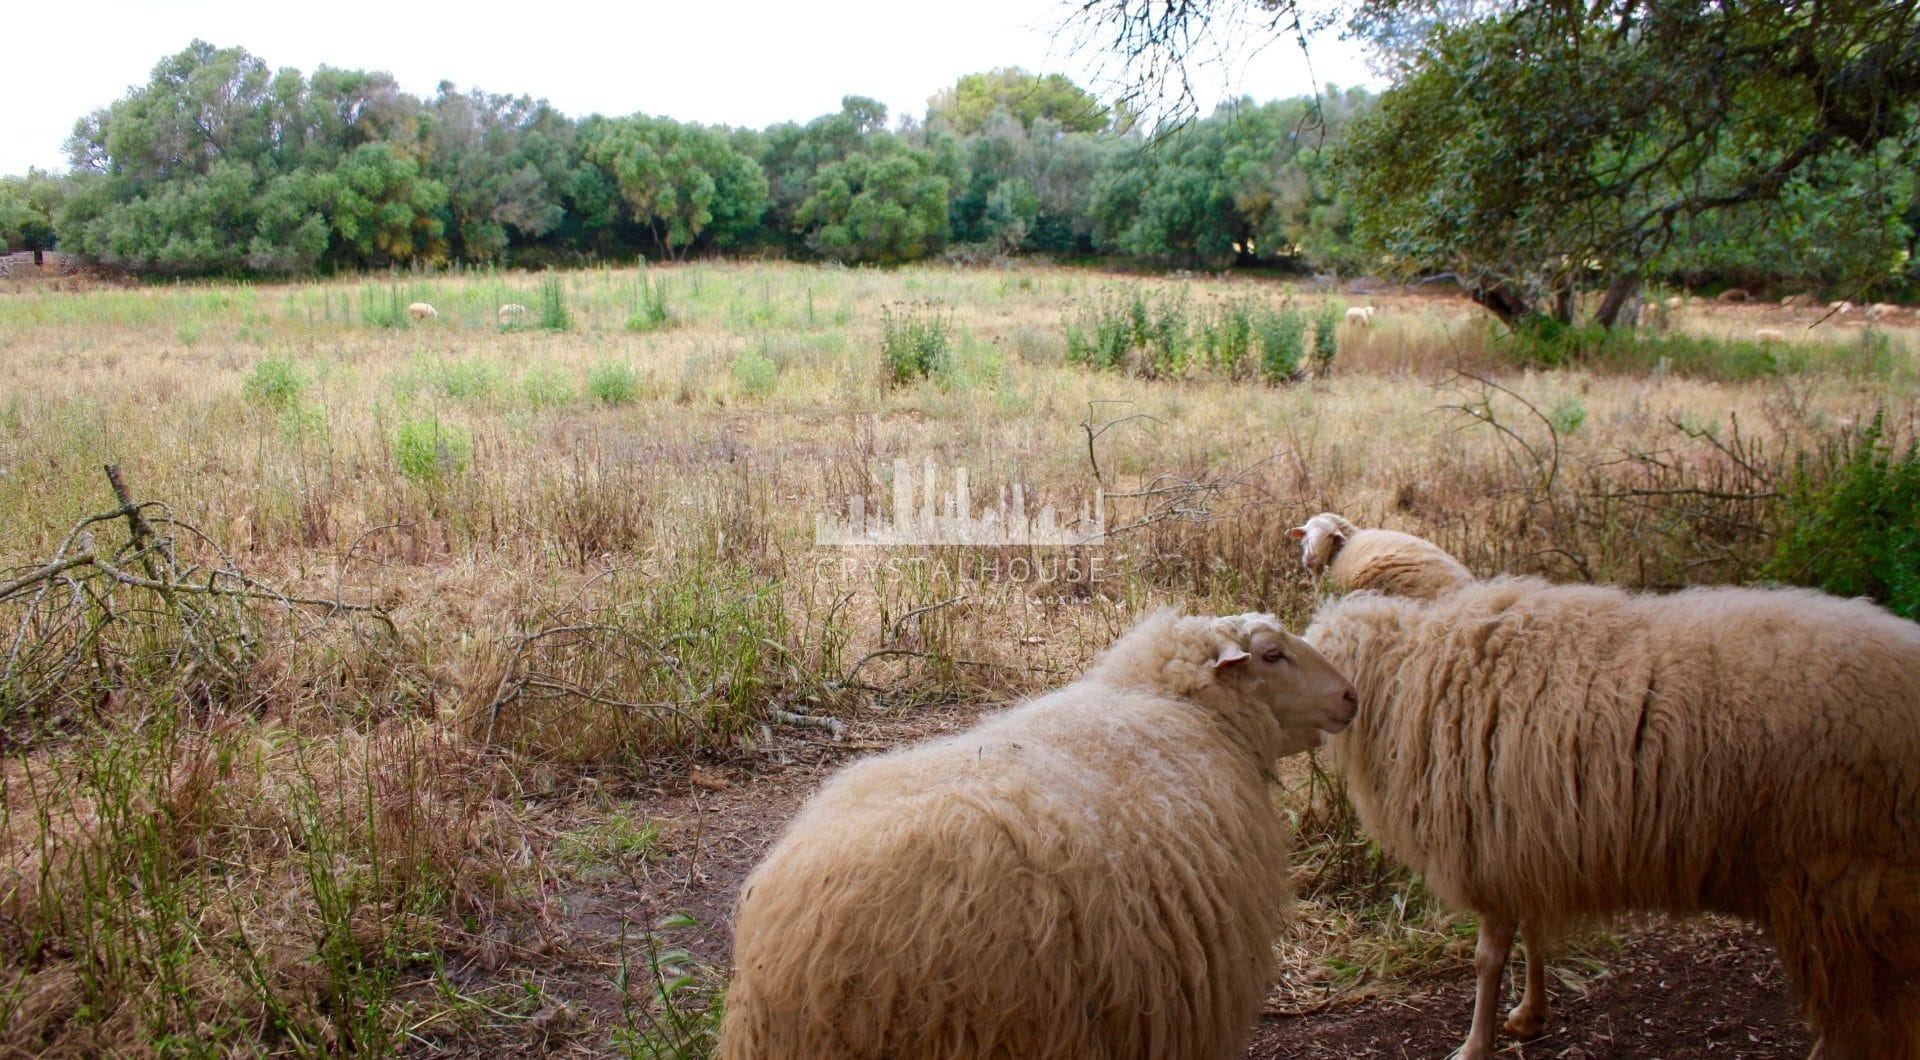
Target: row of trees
<point>220,165</point>
<point>1534,150</point>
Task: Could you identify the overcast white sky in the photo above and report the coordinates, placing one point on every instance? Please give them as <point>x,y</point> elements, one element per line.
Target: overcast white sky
<point>745,63</point>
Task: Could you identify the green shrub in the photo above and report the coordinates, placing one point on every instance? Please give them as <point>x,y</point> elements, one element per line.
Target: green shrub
<point>649,310</point>
<point>755,373</point>
<point>275,383</point>
<point>546,386</point>
<point>614,382</point>
<point>384,306</point>
<point>1326,337</point>
<point>430,450</point>
<point>1281,335</point>
<point>1850,521</point>
<point>552,307</point>
<point>914,347</point>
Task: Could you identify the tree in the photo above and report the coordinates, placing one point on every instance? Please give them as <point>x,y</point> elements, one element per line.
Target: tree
<point>477,147</point>
<point>968,108</point>
<point>681,183</point>
<point>887,204</point>
<point>1546,147</point>
<point>27,208</point>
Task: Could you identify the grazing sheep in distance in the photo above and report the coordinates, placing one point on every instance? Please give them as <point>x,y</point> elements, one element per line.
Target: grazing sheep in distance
<point>1768,335</point>
<point>1733,294</point>
<point>1879,310</point>
<point>512,311</point>
<point>1843,306</point>
<point>422,311</point>
<point>1675,302</point>
<point>1361,315</point>
<point>1385,560</point>
<point>1549,754</point>
<point>1099,872</point>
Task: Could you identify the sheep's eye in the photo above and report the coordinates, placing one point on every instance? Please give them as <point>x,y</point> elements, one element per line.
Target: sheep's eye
<point>1275,655</point>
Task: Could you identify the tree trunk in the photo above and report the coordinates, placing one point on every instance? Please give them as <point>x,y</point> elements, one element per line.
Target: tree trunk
<point>1619,295</point>
<point>1502,300</point>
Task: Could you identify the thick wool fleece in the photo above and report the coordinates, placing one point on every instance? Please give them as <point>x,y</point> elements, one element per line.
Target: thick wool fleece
<point>1550,753</point>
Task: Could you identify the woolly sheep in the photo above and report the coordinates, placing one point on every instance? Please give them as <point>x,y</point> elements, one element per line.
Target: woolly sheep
<point>1843,306</point>
<point>512,311</point>
<point>1099,872</point>
<point>1879,310</point>
<point>422,311</point>
<point>1546,754</point>
<point>1386,560</point>
<point>1733,294</point>
<point>1361,315</point>
<point>1675,302</point>
<point>1768,335</point>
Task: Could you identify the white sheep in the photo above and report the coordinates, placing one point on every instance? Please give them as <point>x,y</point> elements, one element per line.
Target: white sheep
<point>512,311</point>
<point>1768,335</point>
<point>1881,310</point>
<point>423,311</point>
<point>1098,872</point>
<point>1548,754</point>
<point>1361,315</point>
<point>1386,560</point>
<point>1841,307</point>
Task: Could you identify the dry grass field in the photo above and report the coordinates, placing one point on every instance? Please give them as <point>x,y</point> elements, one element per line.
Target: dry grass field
<point>449,656</point>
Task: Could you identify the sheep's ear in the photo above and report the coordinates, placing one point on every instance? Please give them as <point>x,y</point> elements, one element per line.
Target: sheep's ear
<point>1231,654</point>
<point>1296,533</point>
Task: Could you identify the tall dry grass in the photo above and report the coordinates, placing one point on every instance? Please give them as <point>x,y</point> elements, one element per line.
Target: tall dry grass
<point>592,533</point>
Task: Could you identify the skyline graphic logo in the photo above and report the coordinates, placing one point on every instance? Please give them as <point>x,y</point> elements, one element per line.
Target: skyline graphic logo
<point>927,516</point>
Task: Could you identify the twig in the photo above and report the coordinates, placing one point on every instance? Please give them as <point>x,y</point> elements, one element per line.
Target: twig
<point>893,635</point>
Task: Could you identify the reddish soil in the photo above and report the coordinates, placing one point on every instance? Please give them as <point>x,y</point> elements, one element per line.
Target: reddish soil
<point>1705,988</point>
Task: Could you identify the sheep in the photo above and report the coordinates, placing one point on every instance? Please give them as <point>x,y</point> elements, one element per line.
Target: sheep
<point>512,311</point>
<point>423,311</point>
<point>1546,754</point>
<point>1795,301</point>
<point>1099,872</point>
<point>1386,560</point>
<point>1842,307</point>
<point>1361,315</point>
<point>1879,310</point>
<point>1675,302</point>
<point>1733,294</point>
<point>1768,335</point>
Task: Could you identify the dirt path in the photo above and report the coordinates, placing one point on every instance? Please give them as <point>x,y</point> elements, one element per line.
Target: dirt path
<point>1699,989</point>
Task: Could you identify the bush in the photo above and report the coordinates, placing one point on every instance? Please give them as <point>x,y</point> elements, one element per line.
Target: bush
<point>614,382</point>
<point>650,305</point>
<point>914,347</point>
<point>385,307</point>
<point>1326,337</point>
<point>756,374</point>
<point>1850,521</point>
<point>552,307</point>
<point>275,383</point>
<point>1281,335</point>
<point>430,451</point>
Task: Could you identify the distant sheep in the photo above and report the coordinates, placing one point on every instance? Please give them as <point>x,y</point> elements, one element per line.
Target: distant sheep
<point>1768,335</point>
<point>1881,310</point>
<point>1843,306</point>
<point>1795,301</point>
<point>1385,560</point>
<point>1733,294</point>
<point>512,311</point>
<point>423,311</point>
<point>1548,754</point>
<point>1361,315</point>
<point>1099,872</point>
<point>1675,302</point>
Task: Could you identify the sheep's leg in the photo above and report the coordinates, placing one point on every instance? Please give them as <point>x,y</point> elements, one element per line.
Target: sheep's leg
<point>1489,963</point>
<point>1530,1015</point>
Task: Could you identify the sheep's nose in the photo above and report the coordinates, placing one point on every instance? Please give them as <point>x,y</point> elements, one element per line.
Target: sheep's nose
<point>1352,699</point>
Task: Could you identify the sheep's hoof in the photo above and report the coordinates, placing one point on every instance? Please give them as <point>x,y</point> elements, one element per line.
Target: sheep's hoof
<point>1523,1023</point>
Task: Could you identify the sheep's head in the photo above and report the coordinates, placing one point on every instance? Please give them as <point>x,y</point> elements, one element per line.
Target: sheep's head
<point>1320,539</point>
<point>1255,657</point>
